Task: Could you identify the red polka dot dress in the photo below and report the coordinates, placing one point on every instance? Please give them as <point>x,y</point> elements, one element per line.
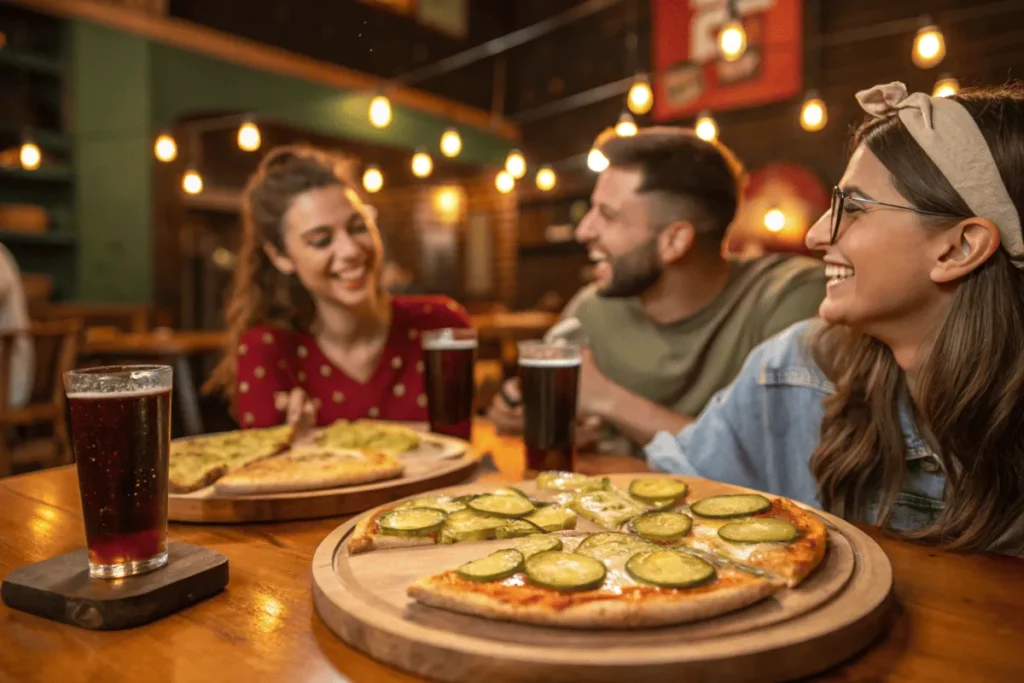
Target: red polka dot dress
<point>273,360</point>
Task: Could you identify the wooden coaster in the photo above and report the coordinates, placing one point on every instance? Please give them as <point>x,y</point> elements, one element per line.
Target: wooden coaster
<point>60,589</point>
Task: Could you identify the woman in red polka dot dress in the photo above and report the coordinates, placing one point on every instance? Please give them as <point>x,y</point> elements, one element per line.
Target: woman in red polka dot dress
<point>313,332</point>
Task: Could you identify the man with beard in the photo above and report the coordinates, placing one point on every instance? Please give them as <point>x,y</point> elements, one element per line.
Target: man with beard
<point>668,320</point>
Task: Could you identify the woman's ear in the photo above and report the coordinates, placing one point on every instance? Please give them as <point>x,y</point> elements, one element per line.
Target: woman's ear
<point>284,265</point>
<point>965,247</point>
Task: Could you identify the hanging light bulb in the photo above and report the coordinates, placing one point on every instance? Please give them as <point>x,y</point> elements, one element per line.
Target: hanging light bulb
<point>946,86</point>
<point>30,156</point>
<point>546,179</point>
<point>929,47</point>
<point>192,182</point>
<point>774,220</point>
<point>813,114</point>
<point>626,127</point>
<point>504,181</point>
<point>515,164</point>
<point>373,179</point>
<point>451,143</point>
<point>640,98</point>
<point>249,138</point>
<point>422,164</point>
<point>732,39</point>
<point>380,112</point>
<point>165,148</point>
<point>705,127</point>
<point>596,160</point>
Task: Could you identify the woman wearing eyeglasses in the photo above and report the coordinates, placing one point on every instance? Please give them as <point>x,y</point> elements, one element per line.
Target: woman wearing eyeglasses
<point>903,406</point>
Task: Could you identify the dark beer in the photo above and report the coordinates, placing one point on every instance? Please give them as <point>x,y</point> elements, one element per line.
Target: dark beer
<point>549,387</point>
<point>450,384</point>
<point>121,442</point>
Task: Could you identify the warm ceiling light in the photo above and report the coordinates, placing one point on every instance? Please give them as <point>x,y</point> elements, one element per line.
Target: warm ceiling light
<point>249,138</point>
<point>380,111</point>
<point>447,200</point>
<point>706,128</point>
<point>597,161</point>
<point>192,182</point>
<point>626,127</point>
<point>451,143</point>
<point>813,114</point>
<point>30,156</point>
<point>166,149</point>
<point>640,98</point>
<point>774,220</point>
<point>546,179</point>
<point>504,181</point>
<point>373,179</point>
<point>422,164</point>
<point>929,47</point>
<point>946,86</point>
<point>515,164</point>
<point>732,40</point>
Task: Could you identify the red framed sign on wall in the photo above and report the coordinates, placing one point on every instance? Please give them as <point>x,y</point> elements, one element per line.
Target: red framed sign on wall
<point>690,74</point>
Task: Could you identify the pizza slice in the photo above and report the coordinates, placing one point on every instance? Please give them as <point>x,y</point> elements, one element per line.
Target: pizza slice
<point>309,468</point>
<point>198,462</point>
<point>393,439</point>
<point>607,580</point>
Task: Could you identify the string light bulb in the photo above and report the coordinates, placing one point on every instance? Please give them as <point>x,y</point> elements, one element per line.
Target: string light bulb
<point>813,113</point>
<point>774,220</point>
<point>946,86</point>
<point>546,179</point>
<point>373,179</point>
<point>596,160</point>
<point>732,40</point>
<point>30,156</point>
<point>505,182</point>
<point>165,148</point>
<point>192,182</point>
<point>626,126</point>
<point>640,98</point>
<point>422,164</point>
<point>380,112</point>
<point>929,47</point>
<point>515,164</point>
<point>705,127</point>
<point>249,138</point>
<point>451,143</point>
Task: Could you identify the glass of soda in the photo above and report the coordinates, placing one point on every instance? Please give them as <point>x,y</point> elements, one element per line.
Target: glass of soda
<point>549,375</point>
<point>449,356</point>
<point>120,419</point>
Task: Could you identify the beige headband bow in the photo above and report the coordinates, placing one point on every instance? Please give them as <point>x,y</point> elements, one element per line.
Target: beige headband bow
<point>949,136</point>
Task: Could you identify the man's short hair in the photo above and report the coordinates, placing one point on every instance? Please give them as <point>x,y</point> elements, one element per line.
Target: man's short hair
<point>701,181</point>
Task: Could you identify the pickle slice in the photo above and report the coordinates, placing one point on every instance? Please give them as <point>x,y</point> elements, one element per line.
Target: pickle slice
<point>495,567</point>
<point>759,530</point>
<point>654,489</point>
<point>438,503</point>
<point>565,571</point>
<point>412,521</point>
<point>569,481</point>
<point>610,544</point>
<point>510,491</point>
<point>610,509</point>
<point>669,569</point>
<point>531,545</point>
<point>734,505</point>
<point>470,525</point>
<point>517,527</point>
<point>553,518</point>
<point>662,526</point>
<point>503,506</point>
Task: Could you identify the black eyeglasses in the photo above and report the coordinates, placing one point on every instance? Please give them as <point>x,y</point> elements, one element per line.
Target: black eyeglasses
<point>839,198</point>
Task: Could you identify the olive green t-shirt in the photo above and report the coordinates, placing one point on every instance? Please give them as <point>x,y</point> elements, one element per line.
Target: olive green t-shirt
<point>681,365</point>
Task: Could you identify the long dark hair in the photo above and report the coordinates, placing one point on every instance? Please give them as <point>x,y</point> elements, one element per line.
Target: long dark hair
<point>970,392</point>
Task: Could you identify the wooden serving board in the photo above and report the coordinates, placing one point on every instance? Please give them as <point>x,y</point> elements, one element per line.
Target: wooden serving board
<point>833,614</point>
<point>426,468</point>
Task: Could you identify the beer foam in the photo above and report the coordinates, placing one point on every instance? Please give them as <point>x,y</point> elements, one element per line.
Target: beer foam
<point>124,393</point>
<point>449,345</point>
<point>550,362</point>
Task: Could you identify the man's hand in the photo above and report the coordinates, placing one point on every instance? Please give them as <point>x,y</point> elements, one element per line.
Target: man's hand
<point>507,417</point>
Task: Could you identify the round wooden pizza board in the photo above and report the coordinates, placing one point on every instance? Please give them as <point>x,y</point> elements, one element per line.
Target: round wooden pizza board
<point>424,470</point>
<point>832,615</point>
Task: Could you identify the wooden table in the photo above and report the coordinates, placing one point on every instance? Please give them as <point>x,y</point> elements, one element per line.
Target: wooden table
<point>958,617</point>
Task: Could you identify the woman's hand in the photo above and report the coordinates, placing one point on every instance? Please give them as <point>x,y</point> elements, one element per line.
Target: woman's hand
<point>300,414</point>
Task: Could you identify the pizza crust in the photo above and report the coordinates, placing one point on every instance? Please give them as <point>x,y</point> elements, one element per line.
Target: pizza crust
<point>366,537</point>
<point>310,468</point>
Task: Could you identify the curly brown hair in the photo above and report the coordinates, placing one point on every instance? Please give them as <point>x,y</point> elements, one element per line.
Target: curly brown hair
<point>260,293</point>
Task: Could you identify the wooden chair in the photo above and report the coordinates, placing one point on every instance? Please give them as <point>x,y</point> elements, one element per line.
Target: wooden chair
<point>56,350</point>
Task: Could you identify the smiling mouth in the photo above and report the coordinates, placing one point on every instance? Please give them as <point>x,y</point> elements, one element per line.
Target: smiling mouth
<point>352,279</point>
<point>836,273</point>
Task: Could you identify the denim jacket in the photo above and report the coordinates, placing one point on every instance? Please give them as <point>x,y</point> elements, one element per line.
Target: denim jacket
<point>760,431</point>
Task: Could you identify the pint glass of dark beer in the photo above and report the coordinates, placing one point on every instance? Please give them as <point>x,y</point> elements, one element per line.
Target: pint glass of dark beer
<point>120,420</point>
<point>449,356</point>
<point>549,375</point>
